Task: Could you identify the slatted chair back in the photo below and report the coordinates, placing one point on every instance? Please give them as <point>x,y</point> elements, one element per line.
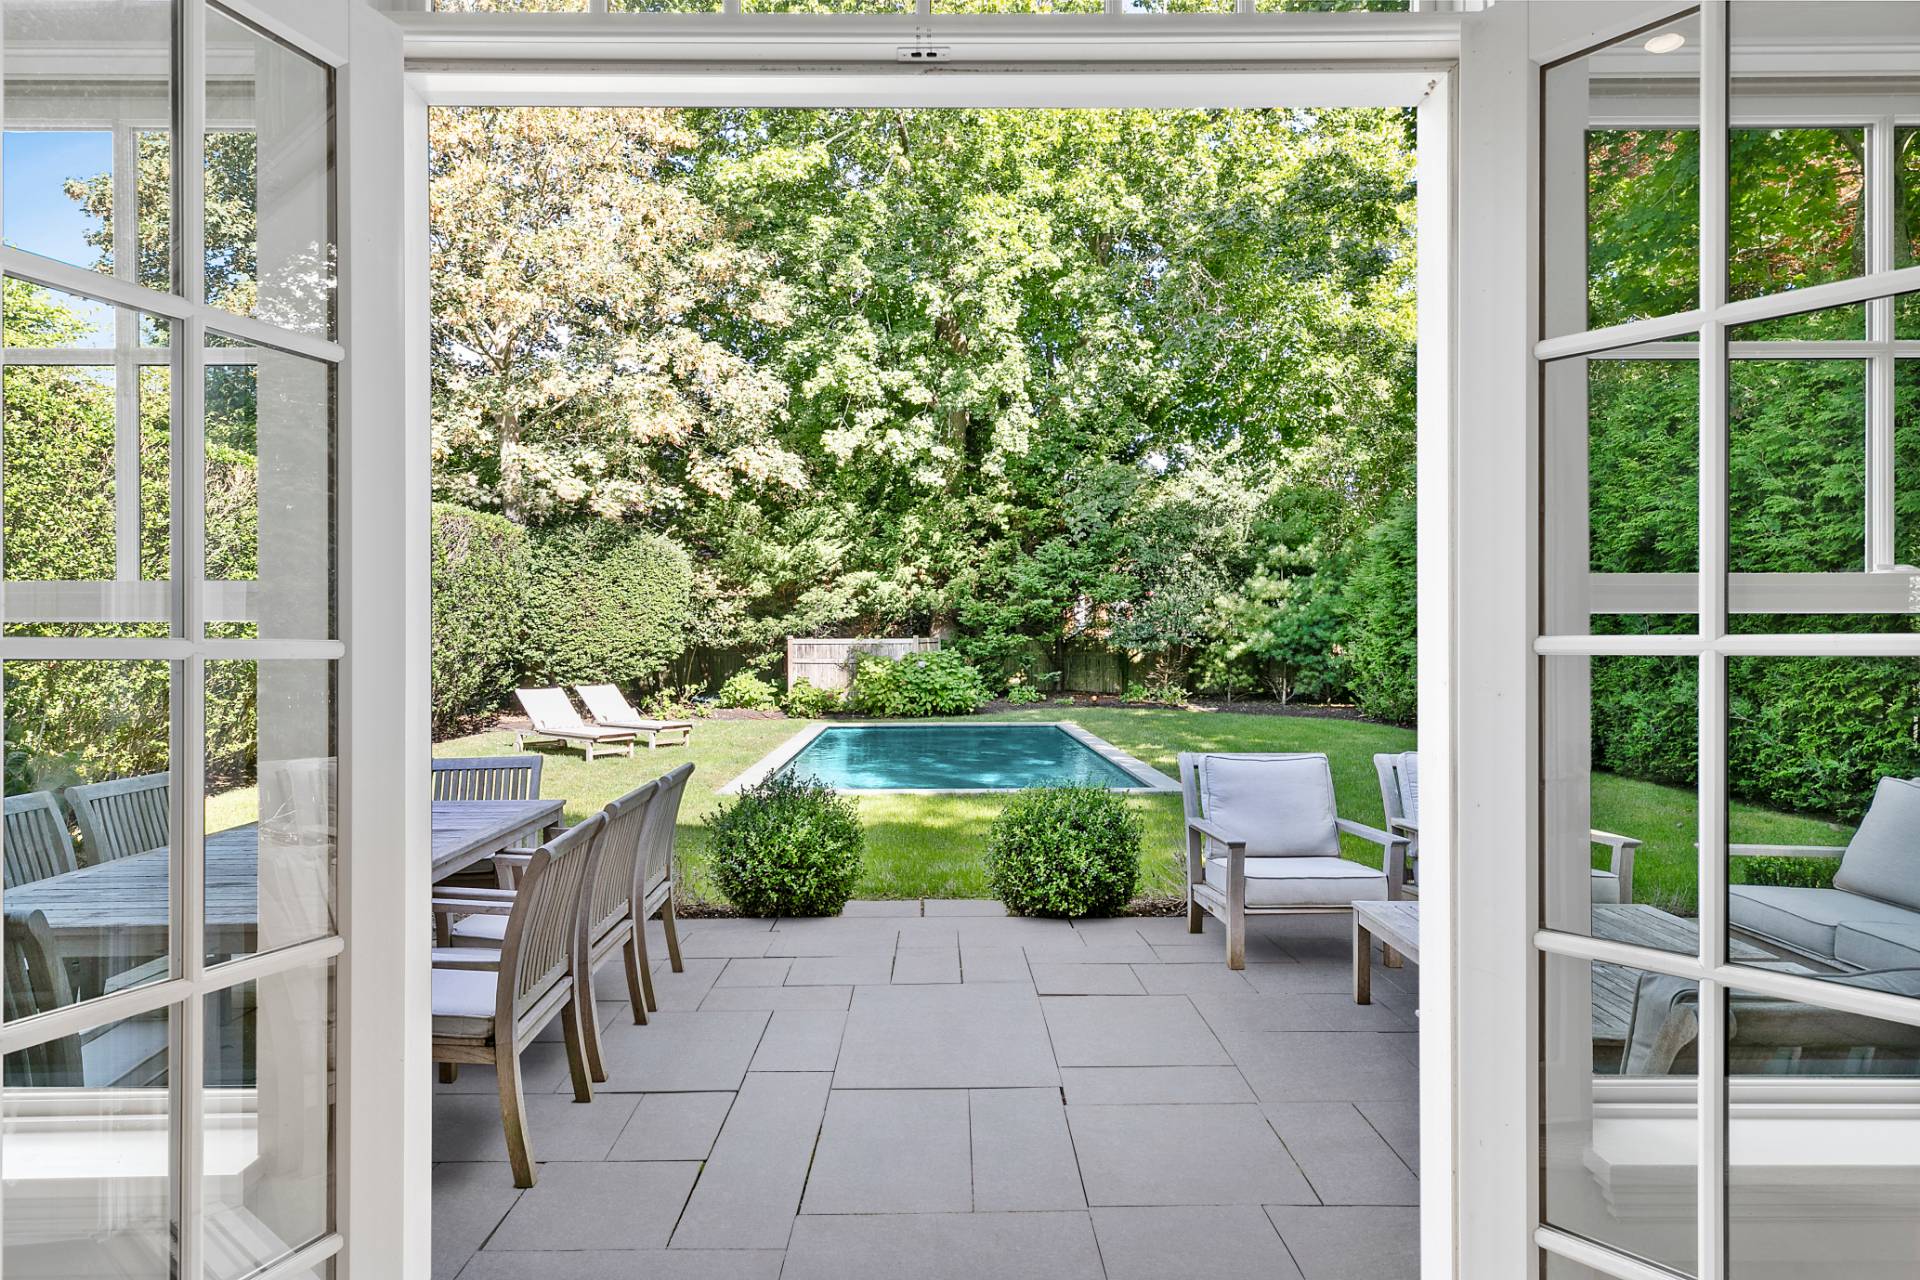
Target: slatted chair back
<point>488,778</point>
<point>38,844</point>
<point>35,981</point>
<point>662,824</point>
<point>123,817</point>
<point>549,708</point>
<point>616,878</point>
<point>540,946</point>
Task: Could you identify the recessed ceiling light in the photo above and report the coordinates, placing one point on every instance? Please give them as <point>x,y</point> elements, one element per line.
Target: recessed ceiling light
<point>1666,42</point>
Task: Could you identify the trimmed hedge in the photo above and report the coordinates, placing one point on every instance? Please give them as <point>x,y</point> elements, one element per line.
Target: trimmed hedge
<point>1383,653</point>
<point>607,604</point>
<point>786,847</point>
<point>482,575</point>
<point>1064,851</point>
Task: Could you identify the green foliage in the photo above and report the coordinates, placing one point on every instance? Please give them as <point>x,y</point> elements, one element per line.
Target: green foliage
<point>1800,873</point>
<point>1159,692</point>
<point>1285,627</point>
<point>1024,694</point>
<point>607,604</point>
<point>1064,851</point>
<point>806,701</point>
<point>1383,649</point>
<point>747,691</point>
<point>482,577</point>
<point>786,847</point>
<point>940,683</point>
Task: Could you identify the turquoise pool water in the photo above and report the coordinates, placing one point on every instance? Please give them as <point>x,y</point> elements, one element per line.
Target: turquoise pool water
<point>953,757</point>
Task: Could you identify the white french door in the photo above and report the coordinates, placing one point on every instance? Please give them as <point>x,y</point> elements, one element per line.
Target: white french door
<point>1721,456</point>
<point>184,443</point>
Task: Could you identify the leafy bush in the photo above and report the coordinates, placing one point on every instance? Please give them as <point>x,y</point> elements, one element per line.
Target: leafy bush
<point>920,684</point>
<point>786,847</point>
<point>607,604</point>
<point>481,573</point>
<point>1382,645</point>
<point>1024,695</point>
<point>1800,873</point>
<point>809,702</point>
<point>1164,693</point>
<point>1064,851</point>
<point>747,691</point>
<point>675,702</point>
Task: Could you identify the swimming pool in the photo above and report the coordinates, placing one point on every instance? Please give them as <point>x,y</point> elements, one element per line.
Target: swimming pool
<point>957,757</point>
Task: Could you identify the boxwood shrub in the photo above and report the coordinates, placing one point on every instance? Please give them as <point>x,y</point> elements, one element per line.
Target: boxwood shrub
<point>940,683</point>
<point>786,847</point>
<point>1064,851</point>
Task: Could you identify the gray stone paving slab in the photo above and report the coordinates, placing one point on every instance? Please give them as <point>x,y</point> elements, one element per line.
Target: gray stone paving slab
<point>964,907</point>
<point>1191,979</point>
<point>468,1202</point>
<point>627,1264</point>
<point>1183,1155</point>
<point>1223,1242</point>
<point>915,966</point>
<point>1230,1014</point>
<point>770,999</point>
<point>994,964</point>
<point>682,992</point>
<point>1057,978</point>
<point>1345,1159</point>
<point>1398,1121</point>
<point>937,932</point>
<point>749,1191</point>
<point>945,1037</point>
<point>1097,1086</point>
<point>1291,978</point>
<point>1022,1154</point>
<point>598,1206</point>
<point>832,937</point>
<point>892,1151</point>
<point>543,1068</point>
<point>706,945</point>
<point>1130,1031</point>
<point>467,1126</point>
<point>885,908</point>
<point>681,1052</point>
<point>672,1126</point>
<point>801,1040</point>
<point>1339,1243</point>
<point>944,1246</point>
<point>754,971</point>
<point>1326,1066</point>
<point>842,971</point>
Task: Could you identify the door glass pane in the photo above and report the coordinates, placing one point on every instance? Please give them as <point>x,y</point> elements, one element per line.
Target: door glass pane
<point>1830,1187</point>
<point>1620,767</point>
<point>1906,465</point>
<point>1825,876</point>
<point>270,476</point>
<point>826,6</point>
<point>1797,467</point>
<point>269,1109</point>
<point>1796,216</point>
<point>663,6</point>
<point>269,178</point>
<point>1621,1126</point>
<point>88,106</point>
<point>85,463</point>
<point>1622,181</point>
<point>271,810</point>
<point>511,6</point>
<point>1019,6</point>
<point>1906,231</point>
<point>87,828</point>
<point>86,1189</point>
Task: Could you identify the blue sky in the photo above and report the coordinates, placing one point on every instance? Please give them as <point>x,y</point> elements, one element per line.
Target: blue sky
<point>35,211</point>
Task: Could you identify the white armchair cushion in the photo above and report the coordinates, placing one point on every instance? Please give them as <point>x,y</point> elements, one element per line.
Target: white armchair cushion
<point>1303,882</point>
<point>1280,804</point>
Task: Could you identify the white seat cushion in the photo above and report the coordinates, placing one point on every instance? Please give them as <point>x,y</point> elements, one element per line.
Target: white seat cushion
<point>1281,805</point>
<point>1606,886</point>
<point>1805,919</point>
<point>491,930</point>
<point>463,1003</point>
<point>1303,882</point>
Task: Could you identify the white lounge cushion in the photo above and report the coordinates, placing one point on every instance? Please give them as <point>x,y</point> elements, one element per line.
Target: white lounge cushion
<point>1804,919</point>
<point>1303,882</point>
<point>463,1003</point>
<point>1880,944</point>
<point>1281,805</point>
<point>1606,886</point>
<point>1883,858</point>
<point>488,930</point>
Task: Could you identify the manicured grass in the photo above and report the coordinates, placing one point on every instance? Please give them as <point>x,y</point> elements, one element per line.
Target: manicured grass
<point>930,846</point>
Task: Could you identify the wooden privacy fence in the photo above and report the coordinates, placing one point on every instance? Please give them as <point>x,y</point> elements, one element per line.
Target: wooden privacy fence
<point>828,664</point>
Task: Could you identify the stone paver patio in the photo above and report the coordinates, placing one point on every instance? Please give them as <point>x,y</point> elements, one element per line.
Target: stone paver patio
<point>939,1092</point>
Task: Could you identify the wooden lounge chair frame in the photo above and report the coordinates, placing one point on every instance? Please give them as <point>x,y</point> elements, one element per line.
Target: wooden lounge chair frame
<point>554,718</point>
<point>610,708</point>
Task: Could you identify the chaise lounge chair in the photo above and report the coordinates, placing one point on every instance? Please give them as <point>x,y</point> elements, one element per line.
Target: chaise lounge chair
<point>1263,838</point>
<point>611,710</point>
<point>553,717</point>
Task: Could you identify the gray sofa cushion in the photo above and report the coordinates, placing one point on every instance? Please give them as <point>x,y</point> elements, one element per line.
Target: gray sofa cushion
<point>1280,804</point>
<point>1804,919</point>
<point>1879,944</point>
<point>1883,858</point>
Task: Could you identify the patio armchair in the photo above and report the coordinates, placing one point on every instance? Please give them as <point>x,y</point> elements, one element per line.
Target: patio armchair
<point>38,844</point>
<point>1263,838</point>
<point>1400,800</point>
<point>488,1005</point>
<point>120,818</point>
<point>553,717</point>
<point>487,778</point>
<point>610,708</point>
<point>1870,919</point>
